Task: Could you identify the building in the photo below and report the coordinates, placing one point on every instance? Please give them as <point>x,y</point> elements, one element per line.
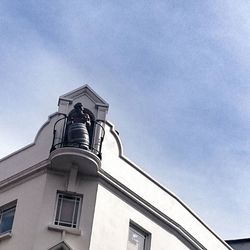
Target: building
<point>74,189</point>
<point>239,244</point>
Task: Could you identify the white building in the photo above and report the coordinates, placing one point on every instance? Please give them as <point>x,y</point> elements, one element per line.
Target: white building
<point>62,192</point>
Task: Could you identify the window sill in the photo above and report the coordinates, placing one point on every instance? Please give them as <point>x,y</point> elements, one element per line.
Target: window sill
<point>74,231</point>
<point>5,236</point>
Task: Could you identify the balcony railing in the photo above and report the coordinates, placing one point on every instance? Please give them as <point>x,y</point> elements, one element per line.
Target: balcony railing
<point>96,135</point>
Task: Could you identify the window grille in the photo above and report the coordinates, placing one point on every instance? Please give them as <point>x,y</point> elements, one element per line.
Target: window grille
<point>67,210</point>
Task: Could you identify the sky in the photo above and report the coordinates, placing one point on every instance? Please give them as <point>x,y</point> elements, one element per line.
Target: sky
<point>175,74</point>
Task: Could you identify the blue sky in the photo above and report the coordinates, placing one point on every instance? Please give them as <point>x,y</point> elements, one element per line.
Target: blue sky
<point>176,76</point>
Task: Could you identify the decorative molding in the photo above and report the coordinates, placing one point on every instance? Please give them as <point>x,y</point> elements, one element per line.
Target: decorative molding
<point>85,89</point>
<point>74,231</point>
<point>61,246</point>
<point>20,176</point>
<point>35,140</point>
<point>128,193</point>
<point>132,164</point>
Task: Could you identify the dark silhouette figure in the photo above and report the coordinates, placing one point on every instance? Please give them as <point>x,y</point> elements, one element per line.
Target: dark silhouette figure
<point>78,125</point>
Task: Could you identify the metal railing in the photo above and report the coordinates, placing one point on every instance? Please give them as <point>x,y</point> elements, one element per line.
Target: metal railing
<point>96,136</point>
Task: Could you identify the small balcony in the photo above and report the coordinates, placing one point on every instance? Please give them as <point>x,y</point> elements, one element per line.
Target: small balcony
<point>77,144</point>
<point>64,158</point>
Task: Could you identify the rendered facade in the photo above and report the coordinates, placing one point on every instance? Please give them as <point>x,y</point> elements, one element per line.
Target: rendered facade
<point>74,189</point>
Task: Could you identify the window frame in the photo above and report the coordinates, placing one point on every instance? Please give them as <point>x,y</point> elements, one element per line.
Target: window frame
<point>4,209</point>
<point>141,231</point>
<point>57,222</point>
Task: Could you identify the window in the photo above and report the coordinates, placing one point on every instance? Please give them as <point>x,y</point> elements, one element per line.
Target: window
<point>138,239</point>
<point>68,208</point>
<point>7,213</point>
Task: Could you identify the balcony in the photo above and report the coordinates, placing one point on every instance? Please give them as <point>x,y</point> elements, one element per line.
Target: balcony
<point>66,152</point>
<point>64,158</point>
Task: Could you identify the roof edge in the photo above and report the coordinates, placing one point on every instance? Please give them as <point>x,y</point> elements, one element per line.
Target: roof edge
<point>83,89</point>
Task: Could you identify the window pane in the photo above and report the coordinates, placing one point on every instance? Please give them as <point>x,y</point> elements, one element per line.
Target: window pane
<point>76,213</point>
<point>58,210</point>
<point>136,240</point>
<point>67,211</point>
<point>7,218</point>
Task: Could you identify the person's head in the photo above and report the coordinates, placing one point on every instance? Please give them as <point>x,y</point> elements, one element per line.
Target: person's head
<point>78,105</point>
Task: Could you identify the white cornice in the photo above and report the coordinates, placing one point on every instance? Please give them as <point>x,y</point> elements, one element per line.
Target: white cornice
<point>132,164</point>
<point>23,175</point>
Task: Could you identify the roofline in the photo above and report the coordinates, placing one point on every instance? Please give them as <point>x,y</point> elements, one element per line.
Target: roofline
<point>132,164</point>
<point>86,86</point>
<point>238,240</point>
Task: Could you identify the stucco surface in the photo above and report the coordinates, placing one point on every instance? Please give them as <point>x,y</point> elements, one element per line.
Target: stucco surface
<point>112,228</point>
<point>130,175</point>
<point>36,200</point>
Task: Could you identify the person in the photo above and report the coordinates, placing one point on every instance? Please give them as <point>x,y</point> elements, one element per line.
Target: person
<point>78,125</point>
<point>77,115</point>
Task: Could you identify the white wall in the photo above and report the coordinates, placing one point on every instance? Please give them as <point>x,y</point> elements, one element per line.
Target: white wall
<point>116,165</point>
<point>111,225</point>
<point>29,195</point>
<point>35,211</point>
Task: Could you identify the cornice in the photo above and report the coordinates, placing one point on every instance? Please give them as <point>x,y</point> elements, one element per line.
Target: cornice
<point>20,176</point>
<point>132,164</point>
<point>107,179</point>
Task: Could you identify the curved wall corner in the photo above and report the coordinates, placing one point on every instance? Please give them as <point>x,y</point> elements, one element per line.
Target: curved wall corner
<point>31,154</point>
